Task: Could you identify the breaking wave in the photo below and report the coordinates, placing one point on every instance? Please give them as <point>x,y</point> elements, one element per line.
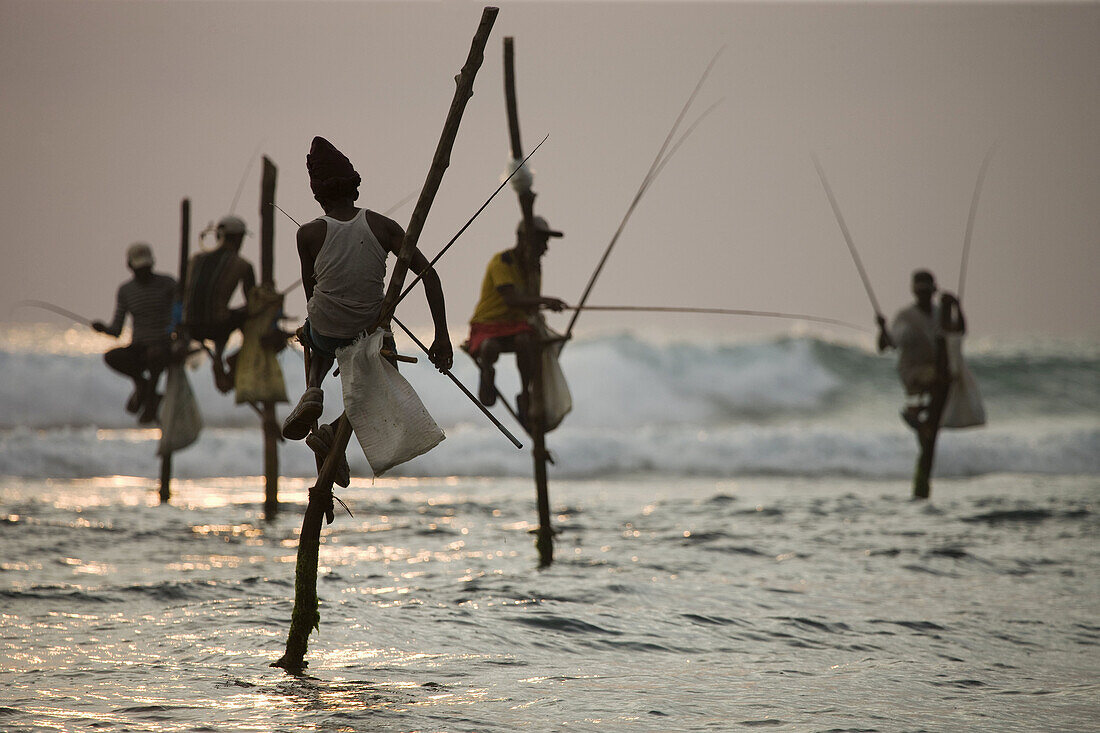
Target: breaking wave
<point>787,405</point>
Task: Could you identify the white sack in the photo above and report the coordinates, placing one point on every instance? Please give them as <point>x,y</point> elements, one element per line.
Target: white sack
<point>180,419</point>
<point>388,418</point>
<point>964,406</point>
<point>555,390</point>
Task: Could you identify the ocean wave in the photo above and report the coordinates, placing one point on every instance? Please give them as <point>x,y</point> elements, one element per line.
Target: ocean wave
<point>787,405</point>
<point>1067,448</point>
<point>618,381</point>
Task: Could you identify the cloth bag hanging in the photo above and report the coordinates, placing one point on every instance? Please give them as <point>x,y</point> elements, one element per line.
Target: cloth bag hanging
<point>388,419</point>
<point>180,419</point>
<point>555,390</point>
<point>964,408</point>
<point>258,376</point>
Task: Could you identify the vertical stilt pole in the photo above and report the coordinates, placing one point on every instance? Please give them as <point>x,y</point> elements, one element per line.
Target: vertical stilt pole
<point>165,478</point>
<point>267,277</point>
<point>930,429</point>
<point>536,406</point>
<point>185,253</point>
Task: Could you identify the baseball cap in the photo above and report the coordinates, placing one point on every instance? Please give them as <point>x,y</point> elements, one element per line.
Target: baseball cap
<point>139,254</point>
<point>541,225</point>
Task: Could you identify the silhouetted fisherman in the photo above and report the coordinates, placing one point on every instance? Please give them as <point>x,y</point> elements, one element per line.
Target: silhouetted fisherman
<point>502,320</point>
<point>212,279</point>
<point>148,298</point>
<point>918,332</point>
<point>343,256</point>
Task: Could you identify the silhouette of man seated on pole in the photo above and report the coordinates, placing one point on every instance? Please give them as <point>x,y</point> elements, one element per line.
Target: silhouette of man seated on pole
<point>212,279</point>
<point>504,315</point>
<point>148,298</point>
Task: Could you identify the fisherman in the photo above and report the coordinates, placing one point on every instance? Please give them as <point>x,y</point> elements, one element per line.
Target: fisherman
<point>917,333</point>
<point>343,256</point>
<point>148,298</point>
<point>212,279</point>
<point>502,320</point>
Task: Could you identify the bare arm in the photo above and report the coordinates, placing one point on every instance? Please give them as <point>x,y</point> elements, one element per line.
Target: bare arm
<point>248,281</point>
<point>515,299</point>
<point>884,340</point>
<point>311,237</point>
<point>115,327</point>
<point>391,235</point>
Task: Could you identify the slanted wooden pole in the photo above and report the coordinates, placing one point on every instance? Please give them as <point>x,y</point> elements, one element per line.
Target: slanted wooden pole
<point>536,404</point>
<point>267,277</point>
<point>185,251</point>
<point>306,615</point>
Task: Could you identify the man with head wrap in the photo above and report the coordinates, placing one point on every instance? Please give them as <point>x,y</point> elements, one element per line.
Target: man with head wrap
<point>343,255</point>
<point>212,279</point>
<point>148,299</point>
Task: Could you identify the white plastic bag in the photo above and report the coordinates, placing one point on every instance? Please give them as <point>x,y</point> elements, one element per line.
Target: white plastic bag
<point>555,390</point>
<point>388,418</point>
<point>964,406</point>
<point>180,419</point>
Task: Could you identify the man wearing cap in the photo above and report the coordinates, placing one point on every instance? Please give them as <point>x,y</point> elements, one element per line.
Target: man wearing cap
<point>148,299</point>
<point>502,318</point>
<point>343,255</point>
<point>212,279</point>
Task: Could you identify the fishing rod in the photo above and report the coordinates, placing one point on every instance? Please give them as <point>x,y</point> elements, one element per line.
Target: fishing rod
<point>247,170</point>
<point>970,220</point>
<point>847,237</point>
<point>461,386</point>
<point>53,309</point>
<point>641,190</point>
<point>720,311</point>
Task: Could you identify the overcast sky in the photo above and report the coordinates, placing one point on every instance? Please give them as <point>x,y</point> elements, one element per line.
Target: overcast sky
<point>114,111</point>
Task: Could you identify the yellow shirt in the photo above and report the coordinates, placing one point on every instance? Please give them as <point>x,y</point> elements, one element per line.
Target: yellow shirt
<point>503,270</point>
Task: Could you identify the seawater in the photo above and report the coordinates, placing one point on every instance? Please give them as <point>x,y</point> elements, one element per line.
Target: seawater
<point>737,550</point>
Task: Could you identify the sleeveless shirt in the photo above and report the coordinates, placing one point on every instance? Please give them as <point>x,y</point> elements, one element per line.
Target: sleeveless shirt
<point>350,270</point>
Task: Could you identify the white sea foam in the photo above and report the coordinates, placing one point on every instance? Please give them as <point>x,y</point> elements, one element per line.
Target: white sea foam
<point>793,406</point>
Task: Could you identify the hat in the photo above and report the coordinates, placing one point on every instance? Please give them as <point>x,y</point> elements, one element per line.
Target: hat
<point>139,254</point>
<point>330,171</point>
<point>541,225</point>
<point>232,225</point>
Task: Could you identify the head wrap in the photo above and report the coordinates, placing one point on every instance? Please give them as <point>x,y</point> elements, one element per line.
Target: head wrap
<point>330,172</point>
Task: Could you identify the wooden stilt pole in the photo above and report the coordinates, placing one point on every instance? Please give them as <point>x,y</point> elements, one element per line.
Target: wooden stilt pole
<point>267,277</point>
<point>536,405</point>
<point>306,615</point>
<point>185,247</point>
<point>929,430</point>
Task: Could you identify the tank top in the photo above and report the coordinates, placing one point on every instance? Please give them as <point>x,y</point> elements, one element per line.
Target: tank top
<point>350,270</point>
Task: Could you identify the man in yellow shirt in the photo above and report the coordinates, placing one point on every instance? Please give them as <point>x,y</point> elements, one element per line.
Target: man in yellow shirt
<point>502,320</point>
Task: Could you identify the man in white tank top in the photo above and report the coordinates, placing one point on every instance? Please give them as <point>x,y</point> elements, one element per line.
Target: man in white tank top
<point>343,256</point>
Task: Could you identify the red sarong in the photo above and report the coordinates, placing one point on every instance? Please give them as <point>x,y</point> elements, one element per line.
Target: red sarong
<point>481,331</point>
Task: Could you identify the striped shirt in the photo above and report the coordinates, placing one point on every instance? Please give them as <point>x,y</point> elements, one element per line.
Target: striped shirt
<point>150,307</point>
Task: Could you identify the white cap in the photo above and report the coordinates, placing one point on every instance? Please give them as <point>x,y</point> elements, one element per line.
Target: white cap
<point>232,225</point>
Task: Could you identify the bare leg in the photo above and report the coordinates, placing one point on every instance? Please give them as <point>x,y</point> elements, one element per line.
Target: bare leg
<point>487,356</point>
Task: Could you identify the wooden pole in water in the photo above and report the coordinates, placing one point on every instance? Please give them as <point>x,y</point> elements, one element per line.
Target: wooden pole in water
<point>929,429</point>
<point>267,278</point>
<point>306,615</point>
<point>185,252</point>
<point>536,405</point>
